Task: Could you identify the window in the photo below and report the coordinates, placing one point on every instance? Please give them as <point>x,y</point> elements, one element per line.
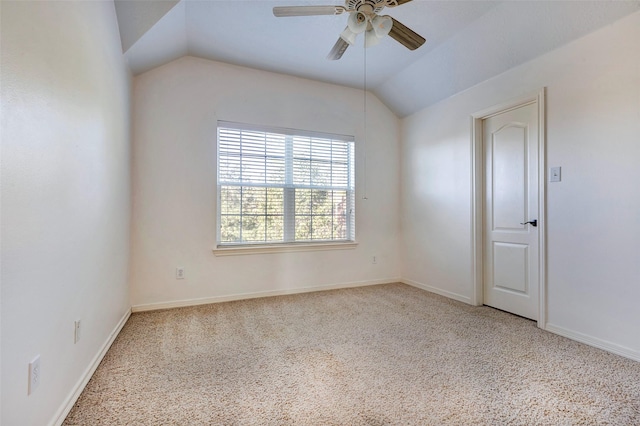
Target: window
<point>284,186</point>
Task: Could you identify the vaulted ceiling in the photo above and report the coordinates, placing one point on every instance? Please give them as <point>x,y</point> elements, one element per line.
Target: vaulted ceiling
<point>467,41</point>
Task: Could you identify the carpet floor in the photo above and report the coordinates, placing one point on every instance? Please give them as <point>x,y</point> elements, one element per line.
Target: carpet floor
<point>386,354</point>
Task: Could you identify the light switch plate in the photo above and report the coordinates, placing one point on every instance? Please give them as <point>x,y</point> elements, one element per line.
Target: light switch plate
<point>555,174</point>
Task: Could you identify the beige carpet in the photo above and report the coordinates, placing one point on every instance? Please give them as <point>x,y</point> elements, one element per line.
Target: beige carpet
<point>388,354</point>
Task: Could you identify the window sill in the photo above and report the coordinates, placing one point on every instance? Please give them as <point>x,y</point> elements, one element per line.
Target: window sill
<point>281,248</point>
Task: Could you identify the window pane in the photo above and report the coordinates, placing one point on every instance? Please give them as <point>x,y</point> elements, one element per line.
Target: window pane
<point>229,169</point>
<point>321,149</point>
<point>230,228</point>
<point>322,227</point>
<point>303,202</point>
<point>303,228</point>
<point>321,202</point>
<point>339,202</point>
<point>340,227</point>
<point>320,173</point>
<point>275,145</point>
<point>275,205</point>
<point>253,201</point>
<point>227,140</point>
<point>275,170</point>
<point>253,169</point>
<point>340,215</point>
<point>253,228</point>
<point>340,174</point>
<point>323,212</point>
<point>275,228</point>
<point>230,200</point>
<point>301,172</point>
<point>301,147</point>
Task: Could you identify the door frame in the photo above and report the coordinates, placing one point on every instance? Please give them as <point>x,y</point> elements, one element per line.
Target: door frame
<point>477,198</point>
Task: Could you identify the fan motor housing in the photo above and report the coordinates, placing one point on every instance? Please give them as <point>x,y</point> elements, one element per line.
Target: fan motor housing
<point>375,6</point>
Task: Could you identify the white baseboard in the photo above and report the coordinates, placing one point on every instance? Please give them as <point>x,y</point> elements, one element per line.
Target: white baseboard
<point>573,335</point>
<point>594,341</point>
<point>441,292</point>
<point>242,296</point>
<point>66,407</point>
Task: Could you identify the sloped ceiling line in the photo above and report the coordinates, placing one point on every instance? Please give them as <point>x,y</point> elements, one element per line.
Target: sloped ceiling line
<point>467,41</point>
<point>135,18</point>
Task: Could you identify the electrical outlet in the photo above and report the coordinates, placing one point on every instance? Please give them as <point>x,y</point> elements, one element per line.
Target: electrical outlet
<point>34,375</point>
<point>374,260</point>
<point>76,331</point>
<point>179,273</point>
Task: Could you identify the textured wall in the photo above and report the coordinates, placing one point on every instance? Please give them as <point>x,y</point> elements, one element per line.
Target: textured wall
<point>65,197</point>
<point>174,182</point>
<point>593,123</point>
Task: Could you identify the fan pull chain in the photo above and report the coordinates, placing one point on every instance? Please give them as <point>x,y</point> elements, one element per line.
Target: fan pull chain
<point>364,138</point>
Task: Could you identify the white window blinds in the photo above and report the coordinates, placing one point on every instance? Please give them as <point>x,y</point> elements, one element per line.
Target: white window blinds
<point>284,186</point>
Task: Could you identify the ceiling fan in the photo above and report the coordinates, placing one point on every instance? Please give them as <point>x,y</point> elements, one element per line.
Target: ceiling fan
<point>363,18</point>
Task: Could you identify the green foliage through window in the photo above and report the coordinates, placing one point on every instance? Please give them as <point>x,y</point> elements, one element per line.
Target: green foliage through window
<point>278,186</point>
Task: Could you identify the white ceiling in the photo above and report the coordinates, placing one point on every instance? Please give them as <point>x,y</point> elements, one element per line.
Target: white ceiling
<point>467,41</point>
<point>136,17</point>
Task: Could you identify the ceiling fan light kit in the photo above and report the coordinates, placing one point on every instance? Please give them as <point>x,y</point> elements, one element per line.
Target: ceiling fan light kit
<point>363,18</point>
<point>349,35</point>
<point>382,25</point>
<point>357,22</point>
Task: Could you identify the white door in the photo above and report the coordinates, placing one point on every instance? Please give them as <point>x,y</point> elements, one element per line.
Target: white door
<point>510,145</point>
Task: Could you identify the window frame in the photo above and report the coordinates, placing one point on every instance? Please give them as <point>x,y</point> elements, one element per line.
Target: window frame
<point>288,187</point>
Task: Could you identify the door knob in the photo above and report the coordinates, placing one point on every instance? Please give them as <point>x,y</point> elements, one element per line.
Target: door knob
<point>533,222</point>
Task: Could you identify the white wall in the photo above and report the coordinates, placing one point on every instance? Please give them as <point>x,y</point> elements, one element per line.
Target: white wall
<point>174,183</point>
<point>593,220</point>
<point>65,197</point>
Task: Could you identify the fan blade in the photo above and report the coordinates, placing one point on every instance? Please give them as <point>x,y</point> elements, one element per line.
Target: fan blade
<point>338,49</point>
<point>405,36</point>
<point>391,3</point>
<point>281,11</point>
